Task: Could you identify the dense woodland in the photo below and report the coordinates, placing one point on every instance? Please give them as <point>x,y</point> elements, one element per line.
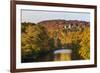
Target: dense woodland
<point>40,40</point>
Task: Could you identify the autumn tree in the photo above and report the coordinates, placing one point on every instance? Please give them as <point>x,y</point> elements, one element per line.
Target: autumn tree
<point>85,44</point>
<point>24,26</point>
<point>33,40</point>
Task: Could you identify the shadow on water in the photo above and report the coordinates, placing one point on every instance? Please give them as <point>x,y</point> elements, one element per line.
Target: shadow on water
<point>48,55</point>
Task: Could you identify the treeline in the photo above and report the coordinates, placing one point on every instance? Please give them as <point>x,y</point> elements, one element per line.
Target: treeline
<point>39,41</point>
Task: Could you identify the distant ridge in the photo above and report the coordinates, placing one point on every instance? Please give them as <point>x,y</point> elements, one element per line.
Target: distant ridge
<point>59,24</point>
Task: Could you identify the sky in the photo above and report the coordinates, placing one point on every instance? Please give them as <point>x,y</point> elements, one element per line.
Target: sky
<point>36,16</point>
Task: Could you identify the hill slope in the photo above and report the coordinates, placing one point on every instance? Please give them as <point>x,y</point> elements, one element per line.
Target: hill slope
<point>59,24</point>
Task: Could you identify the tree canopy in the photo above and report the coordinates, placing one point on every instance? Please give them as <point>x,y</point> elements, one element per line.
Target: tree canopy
<point>38,40</point>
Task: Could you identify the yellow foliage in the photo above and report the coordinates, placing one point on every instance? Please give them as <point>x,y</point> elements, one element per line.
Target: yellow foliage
<point>85,44</point>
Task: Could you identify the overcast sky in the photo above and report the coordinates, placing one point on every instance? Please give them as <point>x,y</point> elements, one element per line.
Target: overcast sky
<point>37,16</point>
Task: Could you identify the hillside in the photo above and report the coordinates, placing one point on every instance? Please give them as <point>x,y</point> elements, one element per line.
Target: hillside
<point>59,24</point>
<point>40,40</point>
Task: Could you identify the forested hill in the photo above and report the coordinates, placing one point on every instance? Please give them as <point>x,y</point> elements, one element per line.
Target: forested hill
<point>40,40</point>
<point>59,24</point>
